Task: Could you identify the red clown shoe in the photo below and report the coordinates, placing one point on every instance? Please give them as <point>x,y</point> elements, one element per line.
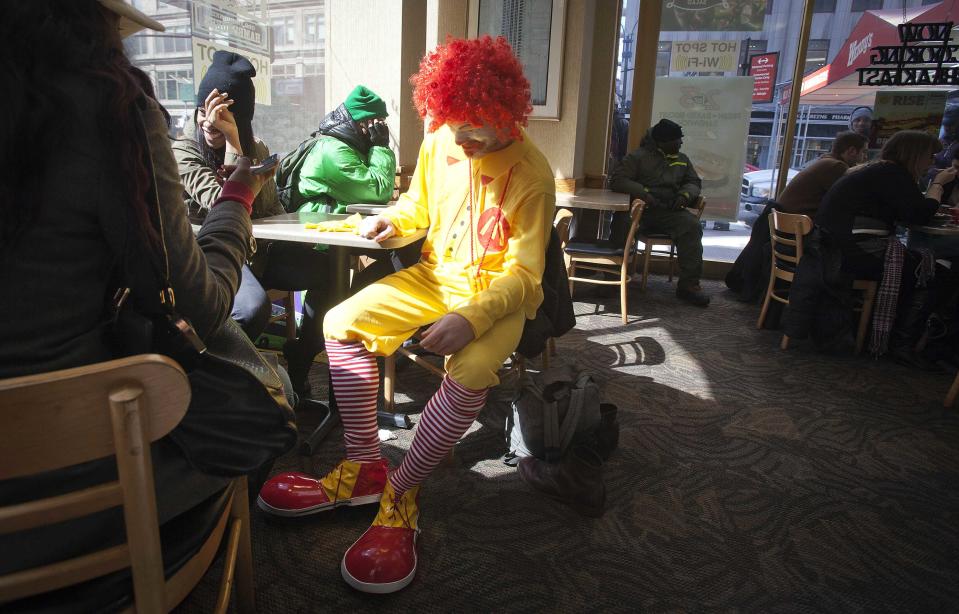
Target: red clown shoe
<point>383,560</point>
<point>297,494</point>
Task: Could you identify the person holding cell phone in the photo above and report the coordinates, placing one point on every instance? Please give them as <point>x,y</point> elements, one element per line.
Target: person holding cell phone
<point>221,132</point>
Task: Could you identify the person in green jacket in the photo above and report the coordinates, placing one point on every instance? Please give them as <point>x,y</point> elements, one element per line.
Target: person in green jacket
<point>352,163</point>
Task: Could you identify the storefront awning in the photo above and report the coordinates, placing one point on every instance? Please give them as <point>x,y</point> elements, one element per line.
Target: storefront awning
<point>838,82</point>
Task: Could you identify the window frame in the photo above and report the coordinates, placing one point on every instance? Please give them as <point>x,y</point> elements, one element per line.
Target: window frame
<point>550,110</point>
<point>318,35</point>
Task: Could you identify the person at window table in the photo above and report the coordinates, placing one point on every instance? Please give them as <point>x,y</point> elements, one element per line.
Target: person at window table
<point>666,181</point>
<point>352,163</point>
<point>859,215</point>
<point>950,188</point>
<point>82,128</point>
<point>221,131</point>
<point>487,196</point>
<point>806,190</point>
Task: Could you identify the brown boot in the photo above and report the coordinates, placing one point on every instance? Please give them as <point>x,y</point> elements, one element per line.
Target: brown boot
<point>576,480</point>
<point>692,294</point>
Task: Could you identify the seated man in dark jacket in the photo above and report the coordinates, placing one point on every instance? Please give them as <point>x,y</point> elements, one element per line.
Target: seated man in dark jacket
<point>666,180</point>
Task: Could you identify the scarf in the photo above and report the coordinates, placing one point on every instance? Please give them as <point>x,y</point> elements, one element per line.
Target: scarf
<point>884,314</point>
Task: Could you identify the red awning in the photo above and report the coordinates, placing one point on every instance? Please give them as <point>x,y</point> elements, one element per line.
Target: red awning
<point>838,82</point>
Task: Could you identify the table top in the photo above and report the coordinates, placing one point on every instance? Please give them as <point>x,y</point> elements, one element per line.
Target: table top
<point>943,230</point>
<point>366,208</point>
<point>593,198</point>
<point>290,227</point>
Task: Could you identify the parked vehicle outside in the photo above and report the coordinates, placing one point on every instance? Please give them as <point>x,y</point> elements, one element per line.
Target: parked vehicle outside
<point>755,192</point>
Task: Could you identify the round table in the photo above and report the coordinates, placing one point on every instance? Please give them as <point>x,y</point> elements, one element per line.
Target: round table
<point>943,240</point>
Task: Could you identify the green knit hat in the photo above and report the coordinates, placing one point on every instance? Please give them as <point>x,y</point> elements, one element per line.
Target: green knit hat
<point>364,104</point>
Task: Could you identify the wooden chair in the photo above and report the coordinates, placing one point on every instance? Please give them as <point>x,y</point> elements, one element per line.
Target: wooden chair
<point>869,289</point>
<point>782,226</point>
<point>786,232</point>
<point>650,241</point>
<point>615,260</point>
<point>116,408</point>
<point>289,310</point>
<point>953,393</point>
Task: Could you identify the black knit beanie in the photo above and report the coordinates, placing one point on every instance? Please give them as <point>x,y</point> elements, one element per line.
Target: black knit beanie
<point>231,73</point>
<point>666,131</point>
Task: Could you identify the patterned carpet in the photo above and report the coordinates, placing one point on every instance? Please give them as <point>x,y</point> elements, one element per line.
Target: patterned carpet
<point>747,479</point>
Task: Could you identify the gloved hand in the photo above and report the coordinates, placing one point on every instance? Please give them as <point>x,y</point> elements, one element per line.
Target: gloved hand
<point>681,202</point>
<point>379,134</point>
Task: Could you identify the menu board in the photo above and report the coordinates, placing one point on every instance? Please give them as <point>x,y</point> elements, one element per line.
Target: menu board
<point>906,110</point>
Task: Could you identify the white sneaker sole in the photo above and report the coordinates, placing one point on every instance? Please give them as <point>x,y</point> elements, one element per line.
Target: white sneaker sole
<point>380,588</point>
<point>316,509</point>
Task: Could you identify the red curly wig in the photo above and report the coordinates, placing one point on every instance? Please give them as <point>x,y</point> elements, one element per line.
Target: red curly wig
<point>478,80</point>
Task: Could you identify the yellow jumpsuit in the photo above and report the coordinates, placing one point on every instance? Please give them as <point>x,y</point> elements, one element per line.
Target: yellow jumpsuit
<point>483,262</point>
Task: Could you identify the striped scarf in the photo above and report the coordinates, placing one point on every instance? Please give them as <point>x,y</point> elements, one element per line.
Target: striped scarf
<point>884,314</point>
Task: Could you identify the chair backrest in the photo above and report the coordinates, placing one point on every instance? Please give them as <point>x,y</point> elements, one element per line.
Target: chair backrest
<point>55,420</point>
<point>561,222</point>
<point>699,205</point>
<point>635,215</point>
<point>787,229</point>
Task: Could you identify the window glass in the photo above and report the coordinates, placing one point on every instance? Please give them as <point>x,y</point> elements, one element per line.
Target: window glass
<point>312,28</point>
<point>526,25</point>
<point>663,50</point>
<point>283,39</point>
<point>284,30</point>
<point>824,6</point>
<point>816,54</point>
<point>866,5</point>
<point>820,116</point>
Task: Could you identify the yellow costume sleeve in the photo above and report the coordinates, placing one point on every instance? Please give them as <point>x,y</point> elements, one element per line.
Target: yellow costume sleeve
<point>411,211</point>
<point>518,286</point>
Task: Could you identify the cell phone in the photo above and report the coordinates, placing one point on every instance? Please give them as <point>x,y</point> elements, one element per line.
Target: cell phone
<point>268,164</point>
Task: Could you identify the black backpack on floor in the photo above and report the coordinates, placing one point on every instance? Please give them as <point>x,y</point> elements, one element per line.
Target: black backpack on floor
<point>553,409</point>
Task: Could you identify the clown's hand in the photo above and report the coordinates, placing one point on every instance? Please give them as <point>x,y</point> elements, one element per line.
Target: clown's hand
<point>377,227</point>
<point>448,335</point>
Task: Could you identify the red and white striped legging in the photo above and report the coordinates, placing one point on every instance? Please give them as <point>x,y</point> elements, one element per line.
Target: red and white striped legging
<point>444,420</point>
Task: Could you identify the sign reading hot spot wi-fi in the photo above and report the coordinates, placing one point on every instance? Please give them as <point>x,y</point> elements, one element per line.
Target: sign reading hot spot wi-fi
<point>705,56</point>
<point>763,69</point>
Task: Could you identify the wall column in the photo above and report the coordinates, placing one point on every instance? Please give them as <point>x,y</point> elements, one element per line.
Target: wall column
<point>644,73</point>
<point>381,53</point>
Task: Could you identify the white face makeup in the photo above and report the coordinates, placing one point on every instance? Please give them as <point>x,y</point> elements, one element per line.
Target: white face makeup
<point>476,141</point>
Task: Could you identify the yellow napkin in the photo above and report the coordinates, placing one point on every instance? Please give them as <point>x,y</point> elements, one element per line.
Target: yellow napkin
<point>350,224</point>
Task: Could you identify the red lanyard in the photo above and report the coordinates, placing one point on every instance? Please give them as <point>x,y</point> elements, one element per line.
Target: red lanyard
<point>499,214</point>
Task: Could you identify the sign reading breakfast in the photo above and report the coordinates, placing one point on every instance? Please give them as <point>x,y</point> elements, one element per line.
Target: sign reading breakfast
<point>924,57</point>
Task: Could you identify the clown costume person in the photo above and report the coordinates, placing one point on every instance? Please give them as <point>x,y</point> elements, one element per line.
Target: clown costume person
<point>487,196</point>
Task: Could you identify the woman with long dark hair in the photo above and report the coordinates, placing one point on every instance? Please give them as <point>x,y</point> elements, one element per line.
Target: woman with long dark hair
<point>860,214</point>
<point>78,137</point>
<point>221,130</point>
